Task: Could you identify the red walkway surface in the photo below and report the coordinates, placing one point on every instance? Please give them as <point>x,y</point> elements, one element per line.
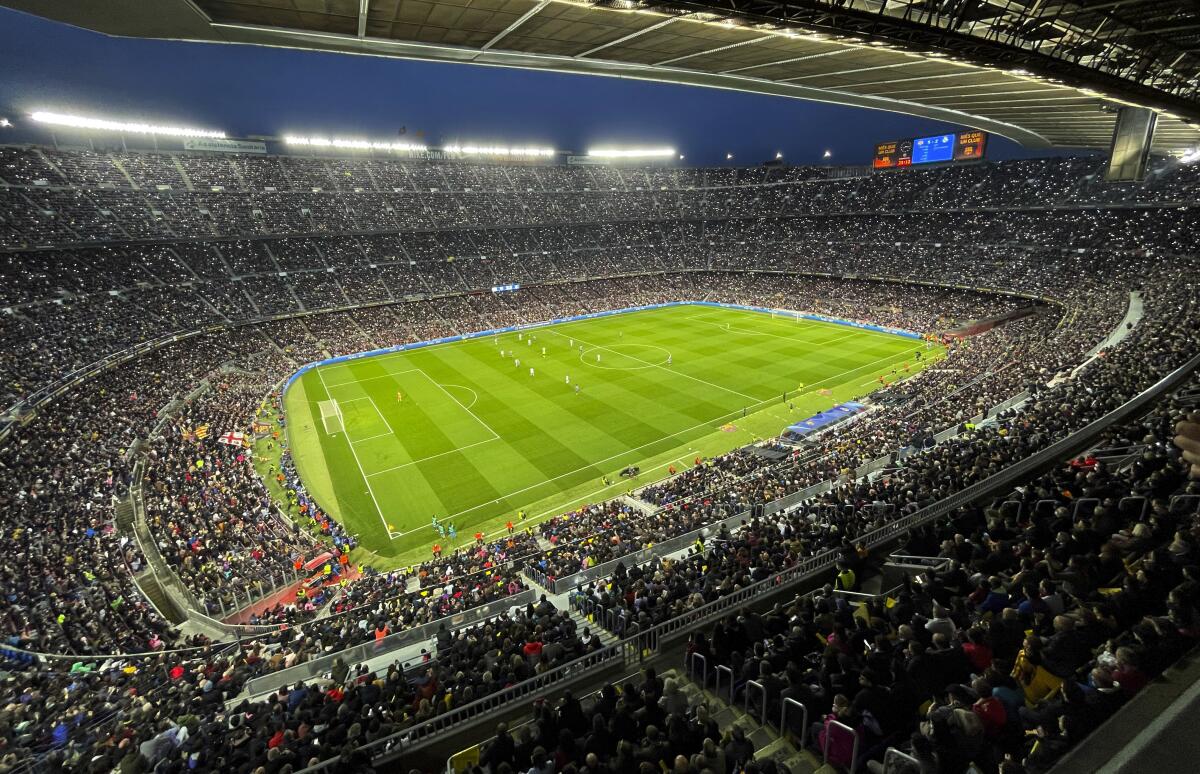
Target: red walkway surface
<point>287,595</point>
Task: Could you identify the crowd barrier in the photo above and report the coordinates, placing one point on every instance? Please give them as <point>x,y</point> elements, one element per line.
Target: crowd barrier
<point>477,711</point>
<point>365,651</point>
<point>669,546</point>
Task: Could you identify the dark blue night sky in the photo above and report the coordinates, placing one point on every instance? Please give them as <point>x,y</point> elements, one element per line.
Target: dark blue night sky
<point>256,90</point>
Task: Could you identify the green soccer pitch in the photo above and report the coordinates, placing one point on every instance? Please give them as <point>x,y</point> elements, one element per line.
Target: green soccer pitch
<point>459,431</point>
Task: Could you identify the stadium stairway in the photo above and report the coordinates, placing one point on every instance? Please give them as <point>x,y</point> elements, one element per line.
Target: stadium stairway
<point>606,637</point>
<point>146,580</point>
<point>769,743</point>
<point>641,506</point>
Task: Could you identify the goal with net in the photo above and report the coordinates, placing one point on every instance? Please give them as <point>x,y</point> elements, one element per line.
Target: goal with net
<point>331,415</point>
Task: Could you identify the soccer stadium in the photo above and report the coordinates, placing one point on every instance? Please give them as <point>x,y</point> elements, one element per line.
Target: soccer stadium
<point>332,449</point>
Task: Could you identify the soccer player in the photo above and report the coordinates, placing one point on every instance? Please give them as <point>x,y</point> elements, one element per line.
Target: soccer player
<point>668,359</point>
<point>399,396</point>
<point>531,372</point>
<point>597,357</point>
<point>453,533</point>
<point>435,523</point>
<point>577,389</point>
<point>571,343</point>
<point>543,351</point>
<point>509,526</point>
<point>518,362</point>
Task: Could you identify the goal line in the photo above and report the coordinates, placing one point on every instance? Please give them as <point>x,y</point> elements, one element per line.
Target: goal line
<point>331,416</point>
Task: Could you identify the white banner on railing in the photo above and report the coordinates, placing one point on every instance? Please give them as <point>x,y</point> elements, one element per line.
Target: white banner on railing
<point>224,146</point>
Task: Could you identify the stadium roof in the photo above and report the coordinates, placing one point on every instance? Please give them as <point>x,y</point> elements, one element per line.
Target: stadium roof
<point>1042,72</point>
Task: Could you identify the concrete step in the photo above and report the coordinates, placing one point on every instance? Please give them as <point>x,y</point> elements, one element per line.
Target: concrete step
<point>760,736</point>
<point>158,597</point>
<point>581,623</point>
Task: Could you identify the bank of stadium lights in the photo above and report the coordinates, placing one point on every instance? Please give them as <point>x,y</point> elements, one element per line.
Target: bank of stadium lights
<point>5,123</point>
<point>123,127</point>
<point>729,157</point>
<point>499,150</point>
<point>778,155</point>
<point>827,155</point>
<point>347,144</point>
<point>631,153</point>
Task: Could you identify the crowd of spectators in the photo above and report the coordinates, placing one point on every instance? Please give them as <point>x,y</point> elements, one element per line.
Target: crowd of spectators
<point>1050,608</point>
<point>1163,340</point>
<point>177,711</point>
<point>69,579</point>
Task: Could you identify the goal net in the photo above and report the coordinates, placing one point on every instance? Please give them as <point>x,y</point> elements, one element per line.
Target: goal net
<point>331,415</point>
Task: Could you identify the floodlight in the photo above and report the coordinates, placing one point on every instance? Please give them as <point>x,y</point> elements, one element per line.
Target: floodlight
<point>128,127</point>
<point>778,155</point>
<point>827,154</point>
<point>498,150</point>
<point>728,156</point>
<point>5,123</point>
<point>348,144</point>
<point>631,153</point>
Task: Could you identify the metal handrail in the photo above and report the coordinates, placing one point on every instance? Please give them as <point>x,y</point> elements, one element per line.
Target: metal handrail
<point>1185,498</point>
<point>829,735</point>
<point>891,754</point>
<point>691,670</point>
<point>762,720</point>
<point>717,672</point>
<point>436,726</point>
<point>369,649</point>
<point>783,713</point>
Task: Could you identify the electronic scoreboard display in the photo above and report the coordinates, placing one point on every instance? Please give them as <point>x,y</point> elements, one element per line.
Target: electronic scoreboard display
<point>969,145</point>
<point>939,148</point>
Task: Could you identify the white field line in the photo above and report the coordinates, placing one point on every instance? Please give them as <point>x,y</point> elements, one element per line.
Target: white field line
<point>531,520</point>
<point>433,456</point>
<point>727,327</point>
<point>382,418</point>
<point>468,389</point>
<point>778,321</point>
<point>732,414</point>
<point>808,387</point>
<point>389,374</point>
<point>660,366</point>
<point>552,329</point>
<point>838,338</point>
<point>367,481</point>
<point>714,420</point>
<point>373,437</point>
<point>495,435</point>
<point>486,426</point>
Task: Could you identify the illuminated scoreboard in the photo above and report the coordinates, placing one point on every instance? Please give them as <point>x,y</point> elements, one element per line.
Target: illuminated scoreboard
<point>969,145</point>
<point>939,148</point>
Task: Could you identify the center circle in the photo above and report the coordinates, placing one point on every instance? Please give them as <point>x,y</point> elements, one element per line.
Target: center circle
<point>648,360</point>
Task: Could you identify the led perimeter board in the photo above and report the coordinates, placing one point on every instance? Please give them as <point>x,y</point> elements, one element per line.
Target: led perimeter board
<point>936,149</point>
